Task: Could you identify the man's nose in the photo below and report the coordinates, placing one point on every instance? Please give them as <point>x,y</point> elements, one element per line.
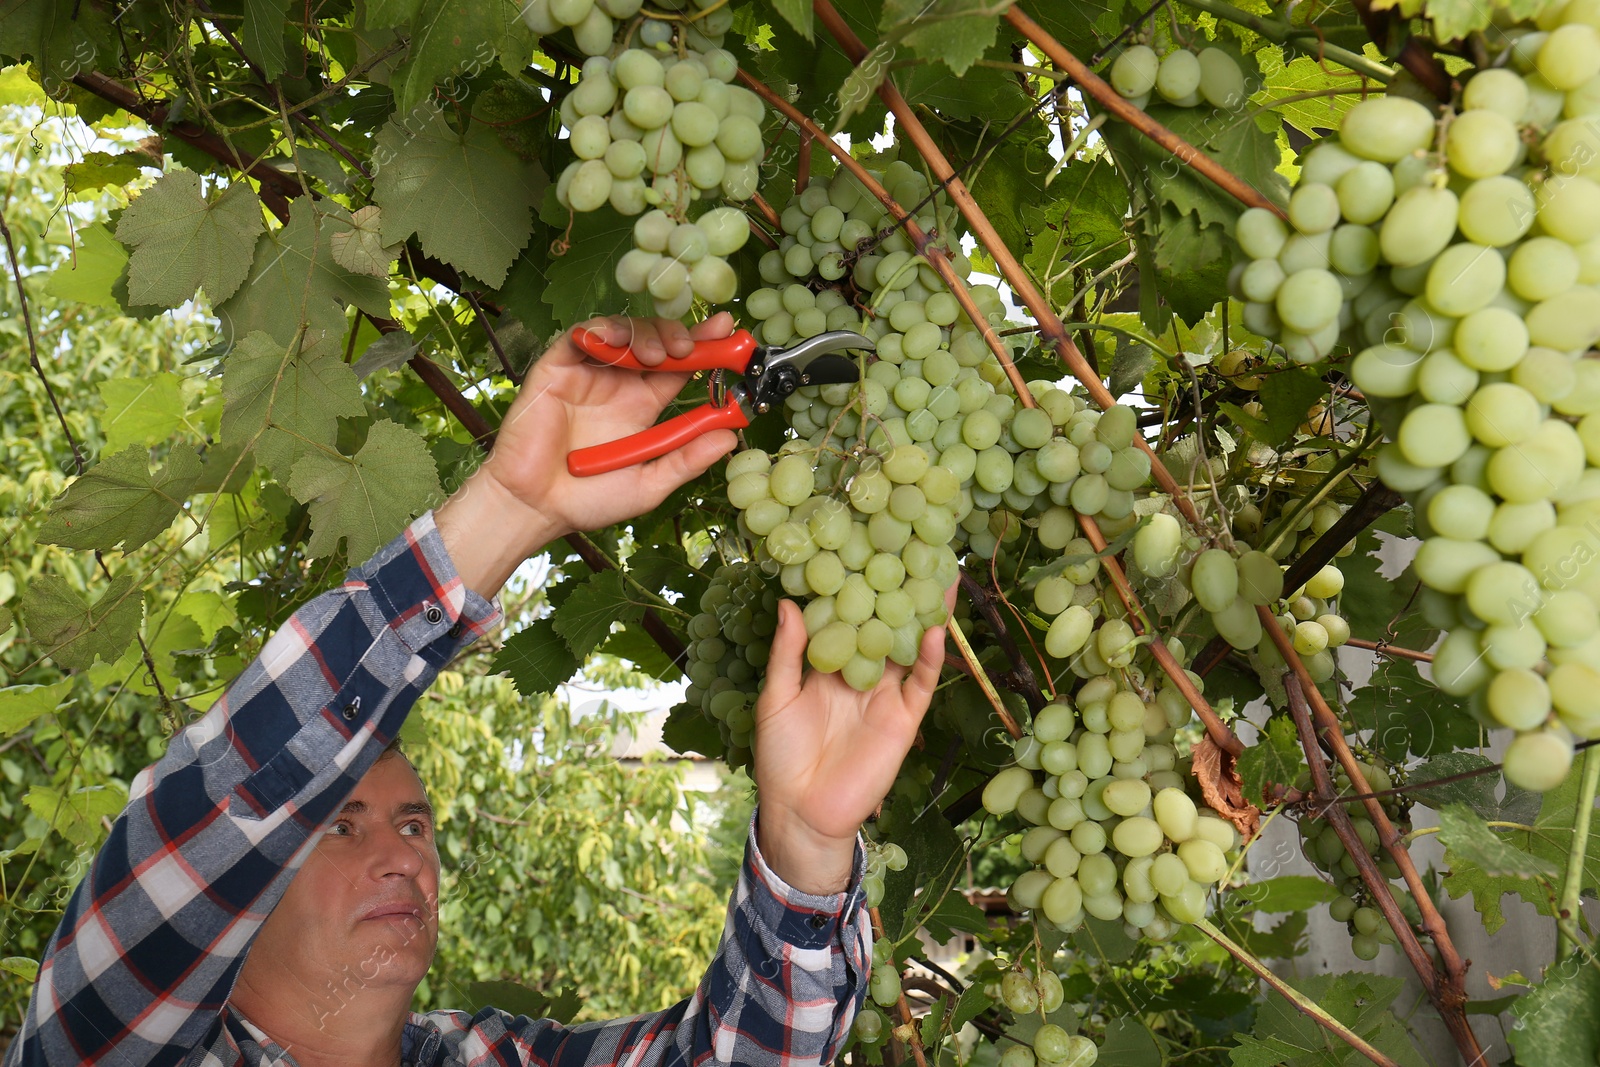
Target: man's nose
<point>396,854</point>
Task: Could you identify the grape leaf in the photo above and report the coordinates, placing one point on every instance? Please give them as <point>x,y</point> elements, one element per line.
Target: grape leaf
<point>1477,793</point>
<point>21,966</point>
<point>285,403</point>
<point>1303,75</point>
<point>368,498</point>
<point>1129,1043</point>
<point>468,199</point>
<point>262,34</point>
<point>72,630</point>
<point>96,170</point>
<point>119,503</point>
<point>389,350</point>
<point>954,32</point>
<point>1192,264</point>
<point>518,999</point>
<point>1470,843</point>
<point>1285,398</point>
<point>140,411</point>
<point>76,815</point>
<point>294,281</point>
<point>1275,757</point>
<point>359,247</point>
<point>981,91</point>
<point>182,241</point>
<point>639,648</point>
<point>1081,229</point>
<point>447,37</point>
<point>583,281</point>
<point>537,658</point>
<point>687,730</point>
<point>1359,1000</point>
<point>62,39</point>
<point>1558,1021</point>
<point>1549,841</point>
<point>585,618</point>
<point>798,14</point>
<point>20,705</point>
<point>1082,25</point>
<point>210,611</point>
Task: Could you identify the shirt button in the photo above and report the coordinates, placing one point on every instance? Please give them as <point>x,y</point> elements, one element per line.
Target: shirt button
<point>455,630</point>
<point>350,711</point>
<point>433,614</point>
<point>819,920</point>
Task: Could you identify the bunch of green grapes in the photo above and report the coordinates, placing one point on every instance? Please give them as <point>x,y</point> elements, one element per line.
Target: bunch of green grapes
<point>1113,831</point>
<point>1051,1045</point>
<point>594,23</point>
<point>1181,77</point>
<point>1461,255</point>
<point>663,131</point>
<point>730,639</point>
<point>1321,846</point>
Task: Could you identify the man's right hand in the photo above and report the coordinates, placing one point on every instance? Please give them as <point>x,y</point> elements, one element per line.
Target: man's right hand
<point>523,497</point>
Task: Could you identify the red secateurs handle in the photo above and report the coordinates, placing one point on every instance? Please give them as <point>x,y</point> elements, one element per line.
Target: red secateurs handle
<point>658,440</point>
<point>731,353</point>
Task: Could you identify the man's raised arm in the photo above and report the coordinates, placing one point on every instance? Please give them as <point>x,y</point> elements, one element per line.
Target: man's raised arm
<point>153,938</point>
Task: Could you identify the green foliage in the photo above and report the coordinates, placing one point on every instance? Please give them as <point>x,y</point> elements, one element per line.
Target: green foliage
<point>182,241</point>
<point>1276,757</point>
<point>367,498</point>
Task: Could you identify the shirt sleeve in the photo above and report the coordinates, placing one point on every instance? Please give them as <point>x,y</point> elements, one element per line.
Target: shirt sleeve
<point>154,936</point>
<point>787,981</point>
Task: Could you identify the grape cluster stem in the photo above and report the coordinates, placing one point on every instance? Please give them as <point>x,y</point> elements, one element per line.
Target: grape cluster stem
<point>1278,33</point>
<point>981,676</point>
<point>902,1006</point>
<point>1021,677</point>
<point>1303,1003</point>
<point>1445,985</point>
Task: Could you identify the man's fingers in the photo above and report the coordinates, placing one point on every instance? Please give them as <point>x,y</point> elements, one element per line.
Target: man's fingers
<point>924,677</point>
<point>718,325</point>
<point>692,460</point>
<point>788,646</point>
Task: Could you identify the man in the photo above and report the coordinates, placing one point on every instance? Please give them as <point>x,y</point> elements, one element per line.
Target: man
<point>270,893</point>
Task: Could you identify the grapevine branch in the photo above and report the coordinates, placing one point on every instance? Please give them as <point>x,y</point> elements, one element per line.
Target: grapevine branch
<point>1447,990</point>
<point>1326,795</point>
<point>1050,325</point>
<point>1219,732</point>
<point>1303,1003</point>
<point>1093,85</point>
<point>1021,676</point>
<point>936,257</point>
<point>1390,650</point>
<point>901,1006</point>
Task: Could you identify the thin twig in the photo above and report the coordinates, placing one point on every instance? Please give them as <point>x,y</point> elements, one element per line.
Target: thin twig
<point>1304,1004</point>
<point>1572,884</point>
<point>901,1005</point>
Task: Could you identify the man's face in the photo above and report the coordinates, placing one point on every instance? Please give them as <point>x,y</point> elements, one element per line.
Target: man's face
<point>363,911</point>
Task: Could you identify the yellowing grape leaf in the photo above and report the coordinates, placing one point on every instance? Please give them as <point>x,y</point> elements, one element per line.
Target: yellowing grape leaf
<point>285,402</point>
<point>72,630</point>
<point>359,246</point>
<point>183,241</point>
<point>140,411</point>
<point>87,277</point>
<point>294,280</point>
<point>368,498</point>
<point>118,503</point>
<point>96,170</point>
<point>468,199</point>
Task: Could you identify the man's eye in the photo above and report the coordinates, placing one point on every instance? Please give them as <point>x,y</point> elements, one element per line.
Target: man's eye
<point>416,829</point>
<point>339,829</point>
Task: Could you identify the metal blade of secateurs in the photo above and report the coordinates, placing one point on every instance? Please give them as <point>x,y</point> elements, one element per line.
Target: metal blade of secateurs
<point>830,369</point>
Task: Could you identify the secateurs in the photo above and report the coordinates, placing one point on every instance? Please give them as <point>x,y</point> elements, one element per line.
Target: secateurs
<point>770,375</point>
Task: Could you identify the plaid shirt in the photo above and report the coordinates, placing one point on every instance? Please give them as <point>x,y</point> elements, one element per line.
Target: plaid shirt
<point>141,968</point>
